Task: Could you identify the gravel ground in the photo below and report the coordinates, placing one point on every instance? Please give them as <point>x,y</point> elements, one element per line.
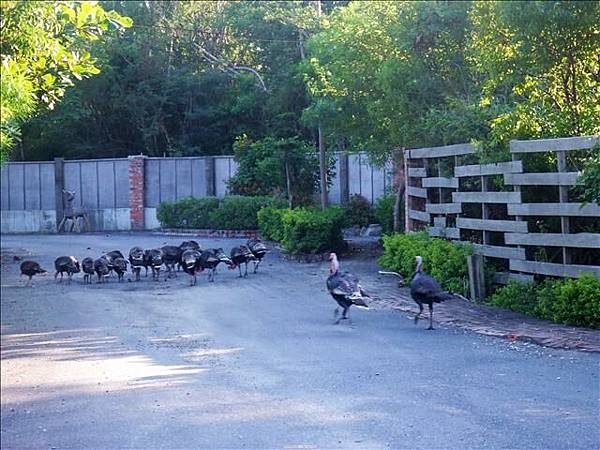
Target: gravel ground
<point>257,363</point>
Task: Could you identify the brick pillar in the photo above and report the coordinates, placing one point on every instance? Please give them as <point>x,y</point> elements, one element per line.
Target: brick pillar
<point>136,192</point>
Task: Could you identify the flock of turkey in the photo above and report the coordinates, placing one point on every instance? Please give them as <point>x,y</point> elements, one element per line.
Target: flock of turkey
<point>344,287</point>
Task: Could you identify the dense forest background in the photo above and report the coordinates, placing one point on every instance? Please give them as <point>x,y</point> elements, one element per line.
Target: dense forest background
<point>200,78</point>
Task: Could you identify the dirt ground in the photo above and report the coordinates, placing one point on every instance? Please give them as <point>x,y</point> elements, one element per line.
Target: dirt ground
<point>258,363</point>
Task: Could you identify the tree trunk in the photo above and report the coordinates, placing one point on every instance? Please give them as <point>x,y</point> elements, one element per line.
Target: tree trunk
<point>323,170</point>
<point>288,183</point>
<point>399,181</point>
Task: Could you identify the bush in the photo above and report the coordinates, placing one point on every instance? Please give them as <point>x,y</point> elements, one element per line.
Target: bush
<point>187,213</point>
<point>443,260</point>
<point>240,213</point>
<point>313,230</point>
<point>358,211</point>
<point>517,296</point>
<point>384,213</point>
<point>230,213</point>
<point>270,223</point>
<point>571,301</point>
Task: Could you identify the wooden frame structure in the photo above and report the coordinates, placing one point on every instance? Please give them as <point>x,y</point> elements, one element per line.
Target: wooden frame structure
<point>427,205</point>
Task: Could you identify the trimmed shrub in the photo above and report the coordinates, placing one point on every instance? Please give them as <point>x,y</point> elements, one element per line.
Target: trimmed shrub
<point>384,213</point>
<point>358,211</point>
<point>570,301</point>
<point>443,260</point>
<point>188,212</point>
<point>270,223</point>
<point>313,230</point>
<point>239,213</point>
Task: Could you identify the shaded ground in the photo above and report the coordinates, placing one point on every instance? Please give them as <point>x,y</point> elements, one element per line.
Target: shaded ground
<point>257,363</point>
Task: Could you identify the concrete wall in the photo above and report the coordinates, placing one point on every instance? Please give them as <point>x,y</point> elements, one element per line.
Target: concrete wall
<point>103,188</point>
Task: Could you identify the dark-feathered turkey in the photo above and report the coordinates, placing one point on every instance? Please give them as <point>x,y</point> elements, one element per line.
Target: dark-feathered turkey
<point>120,267</point>
<point>87,266</point>
<point>258,249</point>
<point>171,256</point>
<point>211,258</point>
<point>66,264</point>
<point>426,290</point>
<point>136,259</point>
<point>241,255</point>
<point>153,258</point>
<point>31,268</point>
<point>101,269</point>
<point>190,262</point>
<point>187,245</point>
<point>110,258</point>
<point>344,288</point>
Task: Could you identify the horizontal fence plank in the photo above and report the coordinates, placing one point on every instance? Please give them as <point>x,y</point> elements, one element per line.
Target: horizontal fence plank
<point>419,215</point>
<point>554,145</point>
<point>416,192</point>
<point>477,170</point>
<point>440,182</point>
<point>417,172</point>
<point>498,251</point>
<point>541,179</point>
<point>443,208</point>
<point>443,232</point>
<point>553,269</point>
<point>492,225</point>
<point>580,240</point>
<point>505,277</point>
<point>439,152</point>
<point>439,222</point>
<point>554,209</point>
<point>486,197</point>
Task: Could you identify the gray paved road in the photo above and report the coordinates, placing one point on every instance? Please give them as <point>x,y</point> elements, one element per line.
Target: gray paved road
<point>257,363</point>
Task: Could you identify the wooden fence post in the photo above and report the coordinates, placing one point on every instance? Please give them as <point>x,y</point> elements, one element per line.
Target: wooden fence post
<point>59,185</point>
<point>210,176</point>
<point>476,277</point>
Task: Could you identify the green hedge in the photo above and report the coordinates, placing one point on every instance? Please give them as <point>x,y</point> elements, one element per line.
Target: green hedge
<point>443,260</point>
<point>304,230</point>
<point>384,213</point>
<point>229,213</point>
<point>358,211</point>
<point>571,301</point>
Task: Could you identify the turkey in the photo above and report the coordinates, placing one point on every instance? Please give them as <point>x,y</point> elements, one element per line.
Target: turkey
<point>110,258</point>
<point>241,255</point>
<point>87,266</point>
<point>136,259</point>
<point>425,290</point>
<point>344,288</point>
<point>211,258</point>
<point>68,265</point>
<point>154,259</point>
<point>171,256</point>
<point>258,249</point>
<point>188,245</point>
<point>101,269</point>
<point>31,268</point>
<point>120,267</point>
<point>190,262</point>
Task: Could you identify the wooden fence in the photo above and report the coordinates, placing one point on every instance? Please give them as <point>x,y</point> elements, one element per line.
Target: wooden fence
<point>497,207</point>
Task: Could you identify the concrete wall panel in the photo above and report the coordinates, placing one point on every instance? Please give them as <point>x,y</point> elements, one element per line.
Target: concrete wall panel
<point>106,180</point>
<point>121,169</point>
<point>16,187</point>
<point>168,180</point>
<point>184,177</point>
<point>47,186</point>
<point>152,182</point>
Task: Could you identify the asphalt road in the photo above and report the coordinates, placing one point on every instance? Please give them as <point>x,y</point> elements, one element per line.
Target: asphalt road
<point>258,363</point>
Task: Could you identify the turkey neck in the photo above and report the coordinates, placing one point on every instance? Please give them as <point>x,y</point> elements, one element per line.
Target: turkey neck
<point>334,266</point>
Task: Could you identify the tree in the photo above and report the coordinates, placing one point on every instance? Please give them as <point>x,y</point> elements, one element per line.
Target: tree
<point>44,46</point>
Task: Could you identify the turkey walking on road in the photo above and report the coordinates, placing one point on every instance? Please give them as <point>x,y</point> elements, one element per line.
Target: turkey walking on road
<point>344,288</point>
<point>87,266</point>
<point>242,255</point>
<point>136,259</point>
<point>258,249</point>
<point>102,269</point>
<point>66,264</point>
<point>211,258</point>
<point>426,290</point>
<point>31,268</point>
<point>190,262</point>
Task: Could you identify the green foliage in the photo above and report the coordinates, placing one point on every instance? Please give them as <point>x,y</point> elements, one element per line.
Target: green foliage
<point>240,213</point>
<point>443,260</point>
<point>229,213</point>
<point>45,46</point>
<point>313,230</point>
<point>384,213</point>
<point>516,296</point>
<point>187,213</point>
<point>571,301</point>
<point>358,211</point>
<point>270,223</point>
<point>276,166</point>
<point>589,180</point>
